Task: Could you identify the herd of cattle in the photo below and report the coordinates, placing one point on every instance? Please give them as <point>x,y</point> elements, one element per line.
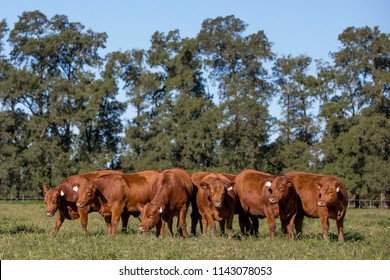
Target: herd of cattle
<point>158,196</point>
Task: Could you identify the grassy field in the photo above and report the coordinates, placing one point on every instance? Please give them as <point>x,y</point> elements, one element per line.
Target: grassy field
<point>25,235</point>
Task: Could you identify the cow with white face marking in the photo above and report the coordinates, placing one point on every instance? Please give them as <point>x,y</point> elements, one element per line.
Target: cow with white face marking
<point>320,196</point>
<point>263,195</point>
<point>63,199</point>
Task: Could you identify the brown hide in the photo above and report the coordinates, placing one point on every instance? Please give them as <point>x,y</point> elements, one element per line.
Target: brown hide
<point>118,194</point>
<point>263,195</point>
<point>216,200</point>
<point>321,197</point>
<point>171,195</point>
<point>64,197</point>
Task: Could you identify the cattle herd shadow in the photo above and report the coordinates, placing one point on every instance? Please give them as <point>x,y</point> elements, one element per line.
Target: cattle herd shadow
<point>348,237</point>
<point>22,229</point>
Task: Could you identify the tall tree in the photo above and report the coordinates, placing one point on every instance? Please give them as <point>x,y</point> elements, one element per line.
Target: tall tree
<point>356,110</point>
<point>297,128</point>
<point>236,63</point>
<point>53,84</point>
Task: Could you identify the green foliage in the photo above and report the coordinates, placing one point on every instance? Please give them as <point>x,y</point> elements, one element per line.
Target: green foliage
<point>198,103</point>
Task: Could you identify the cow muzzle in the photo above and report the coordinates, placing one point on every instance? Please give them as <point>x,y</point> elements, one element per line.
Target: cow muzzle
<point>49,214</point>
<point>217,204</point>
<point>322,203</point>
<point>143,229</point>
<point>80,205</point>
<point>273,200</point>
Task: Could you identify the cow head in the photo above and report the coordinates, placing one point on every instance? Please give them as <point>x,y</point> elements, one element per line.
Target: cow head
<point>218,190</point>
<point>328,194</point>
<point>52,199</point>
<point>86,194</point>
<point>277,188</point>
<point>150,215</point>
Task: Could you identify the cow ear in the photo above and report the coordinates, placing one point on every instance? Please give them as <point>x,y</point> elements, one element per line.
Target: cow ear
<point>204,185</point>
<point>161,209</point>
<point>229,186</point>
<point>45,188</point>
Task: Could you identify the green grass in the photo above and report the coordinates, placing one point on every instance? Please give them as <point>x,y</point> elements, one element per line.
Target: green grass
<point>25,235</point>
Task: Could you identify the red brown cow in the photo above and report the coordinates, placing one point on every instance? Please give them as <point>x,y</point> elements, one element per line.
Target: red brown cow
<point>263,195</point>
<point>216,200</point>
<point>172,193</point>
<point>118,194</point>
<point>321,197</point>
<point>64,197</point>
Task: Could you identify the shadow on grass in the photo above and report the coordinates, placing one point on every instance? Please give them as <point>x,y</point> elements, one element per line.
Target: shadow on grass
<point>22,229</point>
<point>348,237</point>
<point>353,236</point>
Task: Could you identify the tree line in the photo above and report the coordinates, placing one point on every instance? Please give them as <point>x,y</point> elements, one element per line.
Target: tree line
<point>201,103</point>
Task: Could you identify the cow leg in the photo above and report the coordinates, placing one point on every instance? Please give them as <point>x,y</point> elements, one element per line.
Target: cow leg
<point>325,226</point>
<point>271,226</point>
<point>83,219</point>
<point>254,226</point>
<point>195,217</point>
<point>116,215</point>
<point>222,226</point>
<point>125,221</point>
<point>60,220</point>
<point>107,219</point>
<point>211,223</point>
<point>229,226</point>
<point>288,226</point>
<point>204,225</point>
<point>298,223</point>
<point>340,225</point>
<point>160,228</point>
<point>182,221</point>
<point>244,223</point>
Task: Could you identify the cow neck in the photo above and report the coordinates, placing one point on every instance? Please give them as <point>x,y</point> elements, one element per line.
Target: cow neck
<point>162,196</point>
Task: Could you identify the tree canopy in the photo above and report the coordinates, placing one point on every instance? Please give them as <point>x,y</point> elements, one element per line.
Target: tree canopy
<point>201,103</point>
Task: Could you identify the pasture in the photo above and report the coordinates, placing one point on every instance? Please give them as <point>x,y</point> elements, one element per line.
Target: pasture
<point>25,235</point>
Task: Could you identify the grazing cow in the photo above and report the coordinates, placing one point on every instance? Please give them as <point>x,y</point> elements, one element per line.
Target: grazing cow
<point>118,194</point>
<point>263,195</point>
<point>216,200</point>
<point>321,197</point>
<point>64,197</point>
<point>172,193</point>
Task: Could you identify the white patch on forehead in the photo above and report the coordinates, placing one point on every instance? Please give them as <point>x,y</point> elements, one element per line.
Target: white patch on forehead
<point>230,188</point>
<point>75,188</point>
<point>338,189</point>
<point>268,184</point>
<point>62,193</point>
<point>161,210</point>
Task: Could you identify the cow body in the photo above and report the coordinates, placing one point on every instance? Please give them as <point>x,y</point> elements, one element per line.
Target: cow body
<point>64,197</point>
<point>172,192</point>
<point>321,197</point>
<point>216,200</point>
<point>118,194</point>
<point>263,195</point>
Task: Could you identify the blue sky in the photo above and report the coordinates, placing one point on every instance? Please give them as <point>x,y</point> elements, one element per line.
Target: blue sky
<point>295,27</point>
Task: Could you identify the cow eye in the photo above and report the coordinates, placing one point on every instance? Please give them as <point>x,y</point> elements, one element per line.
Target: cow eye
<point>270,190</point>
<point>320,195</point>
